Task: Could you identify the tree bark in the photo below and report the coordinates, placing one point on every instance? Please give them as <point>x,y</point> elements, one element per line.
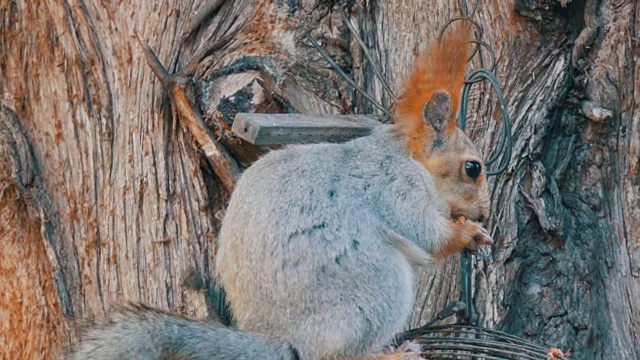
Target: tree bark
<point>111,191</point>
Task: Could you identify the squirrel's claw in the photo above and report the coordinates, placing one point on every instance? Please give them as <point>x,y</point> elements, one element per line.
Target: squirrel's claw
<point>481,239</point>
<point>480,244</point>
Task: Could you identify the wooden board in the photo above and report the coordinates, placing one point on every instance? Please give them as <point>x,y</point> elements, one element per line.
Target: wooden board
<point>280,129</point>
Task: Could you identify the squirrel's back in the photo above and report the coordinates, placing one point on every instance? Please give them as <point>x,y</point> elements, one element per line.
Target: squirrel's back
<point>305,237</point>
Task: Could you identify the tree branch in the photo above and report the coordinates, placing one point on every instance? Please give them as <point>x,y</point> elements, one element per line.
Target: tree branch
<point>178,88</point>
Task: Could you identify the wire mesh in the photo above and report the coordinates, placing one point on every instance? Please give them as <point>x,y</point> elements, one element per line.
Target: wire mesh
<point>461,341</point>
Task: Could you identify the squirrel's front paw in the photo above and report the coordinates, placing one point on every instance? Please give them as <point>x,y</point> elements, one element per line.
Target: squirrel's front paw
<point>482,245</point>
<point>463,234</point>
<point>479,239</point>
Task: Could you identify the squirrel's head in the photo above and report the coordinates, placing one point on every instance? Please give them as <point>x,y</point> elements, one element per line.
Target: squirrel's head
<point>426,118</point>
<point>455,163</point>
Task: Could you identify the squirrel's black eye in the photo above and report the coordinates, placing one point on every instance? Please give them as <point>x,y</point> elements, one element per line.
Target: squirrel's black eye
<point>473,169</point>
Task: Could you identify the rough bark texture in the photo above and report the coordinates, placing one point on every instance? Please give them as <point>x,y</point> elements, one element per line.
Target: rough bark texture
<point>128,217</point>
<point>107,197</point>
<point>31,320</point>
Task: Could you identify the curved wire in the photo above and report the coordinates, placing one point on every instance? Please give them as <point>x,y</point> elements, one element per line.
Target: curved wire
<point>461,18</point>
<point>464,18</point>
<point>475,76</point>
<point>506,140</point>
<point>492,54</point>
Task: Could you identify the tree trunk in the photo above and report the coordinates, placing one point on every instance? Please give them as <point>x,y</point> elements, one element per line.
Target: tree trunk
<point>112,181</point>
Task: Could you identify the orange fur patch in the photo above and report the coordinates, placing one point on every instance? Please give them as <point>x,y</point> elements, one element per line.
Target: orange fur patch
<point>439,68</point>
<point>462,232</point>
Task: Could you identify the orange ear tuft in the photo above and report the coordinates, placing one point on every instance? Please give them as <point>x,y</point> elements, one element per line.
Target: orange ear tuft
<point>439,69</point>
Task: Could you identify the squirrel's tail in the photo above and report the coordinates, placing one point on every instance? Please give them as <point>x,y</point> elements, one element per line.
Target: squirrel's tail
<point>142,333</point>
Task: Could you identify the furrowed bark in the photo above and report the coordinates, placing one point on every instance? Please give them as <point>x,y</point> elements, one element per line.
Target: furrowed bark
<point>128,201</point>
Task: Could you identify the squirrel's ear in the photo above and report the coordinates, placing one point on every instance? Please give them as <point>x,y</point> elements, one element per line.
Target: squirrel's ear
<point>425,110</point>
<point>437,112</point>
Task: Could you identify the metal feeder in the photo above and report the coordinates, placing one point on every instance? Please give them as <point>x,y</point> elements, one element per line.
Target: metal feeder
<point>461,341</point>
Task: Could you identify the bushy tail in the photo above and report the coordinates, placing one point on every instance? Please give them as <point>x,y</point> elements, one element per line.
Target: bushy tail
<point>142,333</point>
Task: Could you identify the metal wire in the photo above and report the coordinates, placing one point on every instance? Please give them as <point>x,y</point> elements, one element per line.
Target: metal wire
<point>466,293</point>
<point>337,68</point>
<point>367,54</point>
<point>460,341</point>
<point>492,68</point>
<point>506,140</point>
<point>473,22</point>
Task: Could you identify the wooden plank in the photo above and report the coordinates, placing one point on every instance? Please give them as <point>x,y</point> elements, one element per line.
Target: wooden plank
<point>280,129</point>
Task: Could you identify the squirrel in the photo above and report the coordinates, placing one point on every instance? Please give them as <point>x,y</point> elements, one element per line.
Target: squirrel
<point>320,244</point>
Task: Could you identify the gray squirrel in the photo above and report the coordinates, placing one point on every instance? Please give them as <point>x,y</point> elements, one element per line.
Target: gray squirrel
<point>320,244</point>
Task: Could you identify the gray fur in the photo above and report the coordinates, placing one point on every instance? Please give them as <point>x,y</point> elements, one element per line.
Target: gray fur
<point>417,256</point>
<point>304,251</point>
<point>317,253</point>
<point>141,333</point>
